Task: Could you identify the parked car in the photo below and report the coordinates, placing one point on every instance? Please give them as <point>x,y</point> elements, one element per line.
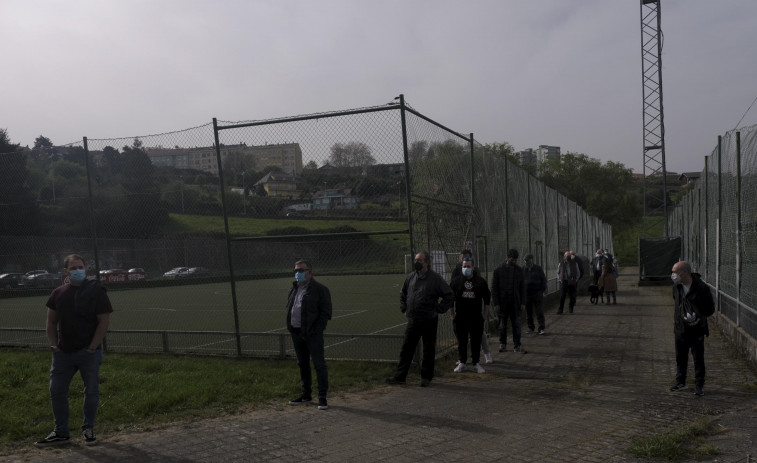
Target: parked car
<point>136,274</point>
<point>177,272</point>
<point>43,280</point>
<point>113,275</point>
<point>197,272</point>
<point>32,273</point>
<point>11,280</point>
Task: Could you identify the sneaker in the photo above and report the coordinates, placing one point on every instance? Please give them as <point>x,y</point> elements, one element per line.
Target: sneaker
<point>301,400</point>
<point>89,436</point>
<point>541,330</point>
<point>322,404</point>
<point>698,390</point>
<point>459,368</point>
<point>394,381</point>
<point>677,387</point>
<point>479,368</point>
<point>425,382</point>
<point>52,440</point>
<point>488,358</point>
<point>518,349</point>
<point>501,347</point>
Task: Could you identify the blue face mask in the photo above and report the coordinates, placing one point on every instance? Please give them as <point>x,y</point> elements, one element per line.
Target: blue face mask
<point>467,271</point>
<point>77,276</point>
<point>300,277</point>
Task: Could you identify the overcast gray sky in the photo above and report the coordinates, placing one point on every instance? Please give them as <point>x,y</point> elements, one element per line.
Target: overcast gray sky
<point>526,72</point>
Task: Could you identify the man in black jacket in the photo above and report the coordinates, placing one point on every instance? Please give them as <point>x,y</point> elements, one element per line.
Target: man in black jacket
<point>308,312</point>
<point>472,297</point>
<point>509,298</point>
<point>419,301</point>
<point>693,304</point>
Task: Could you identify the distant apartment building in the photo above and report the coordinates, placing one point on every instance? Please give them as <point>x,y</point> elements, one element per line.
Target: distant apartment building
<point>287,156</point>
<point>546,152</point>
<point>527,157</point>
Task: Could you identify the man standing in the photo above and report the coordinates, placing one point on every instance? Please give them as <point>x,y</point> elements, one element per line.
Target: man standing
<point>467,254</point>
<point>78,315</point>
<point>308,312</point>
<point>596,265</point>
<point>419,301</point>
<point>471,308</point>
<point>508,293</point>
<point>536,284</point>
<point>693,304</point>
<point>568,274</point>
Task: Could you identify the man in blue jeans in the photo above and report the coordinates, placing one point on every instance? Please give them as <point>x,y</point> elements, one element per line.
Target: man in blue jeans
<point>308,312</point>
<point>78,315</point>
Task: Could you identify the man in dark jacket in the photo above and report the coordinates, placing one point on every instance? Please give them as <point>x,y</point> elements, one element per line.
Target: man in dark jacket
<point>536,284</point>
<point>419,301</point>
<point>693,304</point>
<point>471,308</point>
<point>568,274</point>
<point>508,298</point>
<point>308,312</point>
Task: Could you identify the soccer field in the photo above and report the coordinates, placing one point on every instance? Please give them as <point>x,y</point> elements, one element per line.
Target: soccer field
<point>366,321</point>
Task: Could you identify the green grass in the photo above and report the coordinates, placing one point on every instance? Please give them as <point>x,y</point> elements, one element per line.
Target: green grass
<point>139,392</point>
<point>678,444</point>
<point>239,226</point>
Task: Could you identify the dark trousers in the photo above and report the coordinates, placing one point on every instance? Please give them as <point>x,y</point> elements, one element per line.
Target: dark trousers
<point>414,332</point>
<point>597,274</point>
<point>535,302</point>
<point>468,326</point>
<point>511,313</point>
<point>570,291</point>
<point>306,348</point>
<point>695,344</point>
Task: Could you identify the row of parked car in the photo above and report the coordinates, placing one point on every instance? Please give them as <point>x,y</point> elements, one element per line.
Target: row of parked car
<point>45,279</point>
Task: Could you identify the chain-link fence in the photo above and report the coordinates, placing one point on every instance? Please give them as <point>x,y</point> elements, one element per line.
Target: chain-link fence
<point>717,220</point>
<point>195,232</point>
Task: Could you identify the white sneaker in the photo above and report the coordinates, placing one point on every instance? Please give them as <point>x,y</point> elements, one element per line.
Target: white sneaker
<point>460,367</point>
<point>479,368</point>
<point>488,358</point>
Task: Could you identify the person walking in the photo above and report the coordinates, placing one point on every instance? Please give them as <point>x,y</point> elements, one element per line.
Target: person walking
<point>608,282</point>
<point>423,297</point>
<point>78,316</point>
<point>568,274</point>
<point>693,304</point>
<point>308,312</point>
<point>536,284</point>
<point>472,297</point>
<point>508,298</point>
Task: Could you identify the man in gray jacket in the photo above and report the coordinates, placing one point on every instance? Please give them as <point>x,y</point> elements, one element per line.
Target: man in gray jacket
<point>419,301</point>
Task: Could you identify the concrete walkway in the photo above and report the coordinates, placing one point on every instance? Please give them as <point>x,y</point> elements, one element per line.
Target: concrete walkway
<point>596,379</point>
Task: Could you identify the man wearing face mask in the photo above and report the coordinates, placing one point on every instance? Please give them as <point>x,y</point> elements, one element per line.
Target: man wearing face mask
<point>471,308</point>
<point>420,302</point>
<point>508,298</point>
<point>536,284</point>
<point>308,312</point>
<point>568,274</point>
<point>693,304</point>
<point>596,265</point>
<point>78,315</point>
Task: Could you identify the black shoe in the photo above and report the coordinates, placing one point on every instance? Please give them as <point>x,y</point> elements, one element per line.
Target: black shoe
<point>677,387</point>
<point>322,404</point>
<point>559,313</point>
<point>52,440</point>
<point>425,382</point>
<point>394,381</point>
<point>301,400</point>
<point>698,390</point>
<point>89,436</point>
<point>501,347</point>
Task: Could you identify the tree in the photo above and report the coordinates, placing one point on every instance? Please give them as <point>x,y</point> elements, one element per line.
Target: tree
<point>352,154</point>
<point>18,208</point>
<point>42,145</point>
<point>311,165</point>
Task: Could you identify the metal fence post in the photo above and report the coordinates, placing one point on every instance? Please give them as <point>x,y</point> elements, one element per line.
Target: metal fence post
<point>407,175</point>
<point>719,220</point>
<point>738,229</point>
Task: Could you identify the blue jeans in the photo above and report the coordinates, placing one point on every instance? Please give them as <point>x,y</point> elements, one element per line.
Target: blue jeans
<point>64,367</point>
<point>306,348</point>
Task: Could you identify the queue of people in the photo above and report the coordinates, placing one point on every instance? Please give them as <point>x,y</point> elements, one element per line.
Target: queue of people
<point>79,313</point>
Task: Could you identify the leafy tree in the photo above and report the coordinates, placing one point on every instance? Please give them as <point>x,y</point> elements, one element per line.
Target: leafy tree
<point>352,154</point>
<point>42,144</point>
<point>606,191</point>
<point>18,207</point>
<point>311,165</point>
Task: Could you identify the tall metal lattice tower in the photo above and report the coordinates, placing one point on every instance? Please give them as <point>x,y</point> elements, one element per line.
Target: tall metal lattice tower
<point>655,195</point>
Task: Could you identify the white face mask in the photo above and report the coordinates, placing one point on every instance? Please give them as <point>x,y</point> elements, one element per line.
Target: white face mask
<point>676,279</point>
